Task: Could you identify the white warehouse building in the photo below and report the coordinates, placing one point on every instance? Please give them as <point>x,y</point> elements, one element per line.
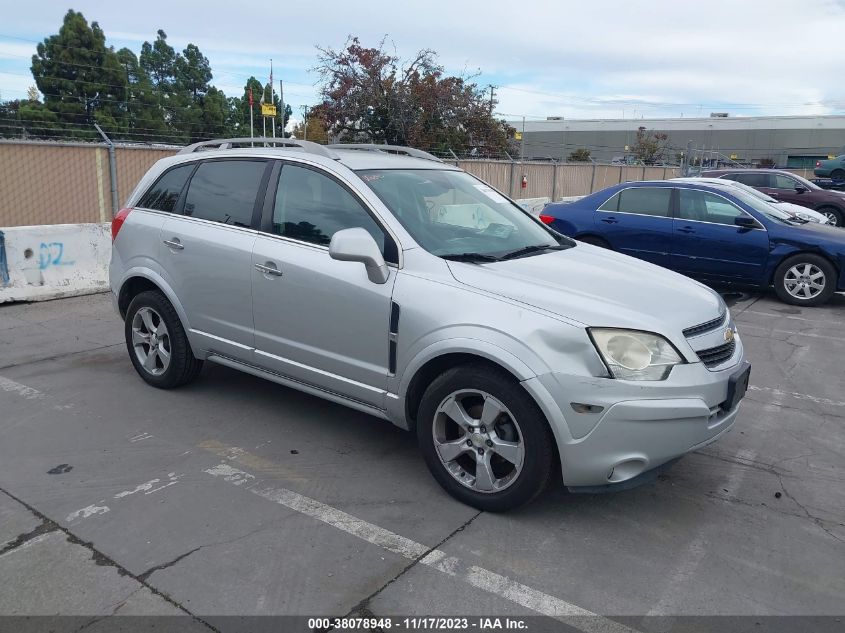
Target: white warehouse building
<point>788,141</point>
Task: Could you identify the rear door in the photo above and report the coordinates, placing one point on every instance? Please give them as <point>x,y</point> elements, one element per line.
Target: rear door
<point>637,221</point>
<point>707,244</point>
<point>206,253</point>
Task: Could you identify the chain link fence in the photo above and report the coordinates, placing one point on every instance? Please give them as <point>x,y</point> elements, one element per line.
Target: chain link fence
<point>54,182</point>
<point>48,182</point>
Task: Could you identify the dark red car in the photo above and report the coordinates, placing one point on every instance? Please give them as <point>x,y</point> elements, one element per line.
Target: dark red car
<point>788,187</point>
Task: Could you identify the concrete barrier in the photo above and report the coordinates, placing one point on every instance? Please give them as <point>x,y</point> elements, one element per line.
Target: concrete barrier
<point>533,205</point>
<point>52,261</point>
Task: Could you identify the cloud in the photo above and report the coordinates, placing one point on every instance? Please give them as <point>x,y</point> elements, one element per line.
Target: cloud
<point>575,59</point>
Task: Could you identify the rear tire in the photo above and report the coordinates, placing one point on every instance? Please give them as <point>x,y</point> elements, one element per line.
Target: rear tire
<point>805,280</point>
<point>484,439</point>
<point>595,241</point>
<point>837,174</point>
<point>834,216</point>
<point>157,344</point>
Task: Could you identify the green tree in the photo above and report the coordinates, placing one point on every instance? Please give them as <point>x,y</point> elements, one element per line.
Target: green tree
<point>146,116</point>
<point>81,79</point>
<point>259,91</point>
<point>580,155</point>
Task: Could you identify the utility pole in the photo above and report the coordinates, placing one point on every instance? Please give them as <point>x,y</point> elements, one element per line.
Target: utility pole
<point>492,88</point>
<point>305,123</point>
<point>282,104</point>
<point>522,142</point>
<point>272,99</point>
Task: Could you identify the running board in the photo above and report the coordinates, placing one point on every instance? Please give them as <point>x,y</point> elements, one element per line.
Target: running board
<point>298,385</point>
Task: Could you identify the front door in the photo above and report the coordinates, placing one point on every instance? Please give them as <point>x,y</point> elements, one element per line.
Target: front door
<point>318,320</point>
<point>637,221</point>
<point>206,255</point>
<point>707,244</point>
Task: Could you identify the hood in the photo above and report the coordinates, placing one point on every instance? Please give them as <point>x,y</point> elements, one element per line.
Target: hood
<point>598,287</point>
<point>832,237</point>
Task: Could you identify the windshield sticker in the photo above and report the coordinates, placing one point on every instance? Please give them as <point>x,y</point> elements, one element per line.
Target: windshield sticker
<point>371,177</point>
<point>491,193</point>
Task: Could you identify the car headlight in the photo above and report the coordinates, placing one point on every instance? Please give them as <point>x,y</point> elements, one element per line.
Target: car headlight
<point>635,355</point>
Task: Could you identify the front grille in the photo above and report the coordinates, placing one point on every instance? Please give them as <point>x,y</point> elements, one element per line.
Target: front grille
<point>717,355</point>
<point>709,326</point>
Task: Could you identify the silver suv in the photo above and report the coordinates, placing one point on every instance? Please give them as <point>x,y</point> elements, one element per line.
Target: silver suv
<point>386,280</point>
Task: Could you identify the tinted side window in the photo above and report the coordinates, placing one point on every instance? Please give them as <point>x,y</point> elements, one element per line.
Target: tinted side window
<point>225,191</point>
<point>702,206</point>
<point>164,194</point>
<point>753,180</point>
<point>611,205</point>
<point>646,201</point>
<point>312,207</point>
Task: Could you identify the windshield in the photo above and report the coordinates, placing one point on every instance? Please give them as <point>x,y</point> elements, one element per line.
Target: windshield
<point>769,210</point>
<point>806,183</point>
<point>452,214</point>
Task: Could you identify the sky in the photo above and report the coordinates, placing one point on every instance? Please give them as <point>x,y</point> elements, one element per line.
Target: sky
<point>575,59</point>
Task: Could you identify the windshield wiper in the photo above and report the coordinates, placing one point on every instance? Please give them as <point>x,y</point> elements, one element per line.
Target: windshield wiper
<point>470,257</point>
<point>535,248</point>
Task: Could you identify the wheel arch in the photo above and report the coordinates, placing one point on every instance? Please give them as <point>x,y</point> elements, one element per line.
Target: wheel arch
<point>138,280</point>
<point>804,251</point>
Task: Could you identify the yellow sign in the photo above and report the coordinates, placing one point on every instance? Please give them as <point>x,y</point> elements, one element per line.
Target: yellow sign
<point>830,156</point>
<point>517,136</point>
<point>734,156</point>
<point>268,109</point>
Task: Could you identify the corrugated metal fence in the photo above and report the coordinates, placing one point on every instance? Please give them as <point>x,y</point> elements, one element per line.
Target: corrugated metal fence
<point>62,183</point>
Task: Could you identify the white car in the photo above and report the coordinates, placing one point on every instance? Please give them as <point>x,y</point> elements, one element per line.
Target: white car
<point>793,209</point>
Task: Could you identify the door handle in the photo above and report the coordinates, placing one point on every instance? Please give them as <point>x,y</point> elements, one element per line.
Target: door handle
<point>686,229</point>
<point>174,243</point>
<point>269,270</point>
<point>610,220</point>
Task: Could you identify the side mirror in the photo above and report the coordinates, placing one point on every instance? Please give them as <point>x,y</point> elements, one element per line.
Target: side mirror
<point>745,221</point>
<point>356,245</point>
<point>801,189</point>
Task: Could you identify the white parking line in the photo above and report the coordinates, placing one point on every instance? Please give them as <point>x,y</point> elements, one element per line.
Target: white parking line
<point>478,577</point>
<point>798,396</point>
<point>745,326</point>
<point>22,390</point>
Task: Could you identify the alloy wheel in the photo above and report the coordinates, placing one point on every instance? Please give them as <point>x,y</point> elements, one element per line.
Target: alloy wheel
<point>804,281</point>
<point>151,341</point>
<point>478,441</point>
<point>832,218</point>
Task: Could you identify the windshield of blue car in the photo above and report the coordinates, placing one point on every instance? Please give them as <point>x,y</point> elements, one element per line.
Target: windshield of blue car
<point>452,214</point>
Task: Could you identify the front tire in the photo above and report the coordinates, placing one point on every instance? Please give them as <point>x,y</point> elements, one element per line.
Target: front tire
<point>484,439</point>
<point>805,280</point>
<point>834,216</point>
<point>157,344</point>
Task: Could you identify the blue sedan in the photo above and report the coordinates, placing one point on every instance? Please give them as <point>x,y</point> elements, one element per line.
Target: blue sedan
<point>710,232</point>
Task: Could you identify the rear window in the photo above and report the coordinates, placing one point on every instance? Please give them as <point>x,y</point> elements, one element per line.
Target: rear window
<point>164,194</point>
<point>225,191</point>
<point>653,201</point>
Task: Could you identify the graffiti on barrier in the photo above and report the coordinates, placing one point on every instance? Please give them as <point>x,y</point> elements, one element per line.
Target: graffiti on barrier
<point>51,255</point>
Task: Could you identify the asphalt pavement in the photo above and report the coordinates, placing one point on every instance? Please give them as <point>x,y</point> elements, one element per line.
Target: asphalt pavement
<point>234,496</point>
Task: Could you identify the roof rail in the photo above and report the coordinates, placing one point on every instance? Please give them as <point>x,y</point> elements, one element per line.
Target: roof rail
<point>389,149</point>
<point>228,143</point>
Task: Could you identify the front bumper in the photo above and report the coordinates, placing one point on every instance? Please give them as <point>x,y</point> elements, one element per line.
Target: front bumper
<point>640,425</point>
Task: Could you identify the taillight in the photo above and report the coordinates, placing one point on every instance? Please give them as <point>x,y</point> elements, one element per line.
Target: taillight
<point>546,219</point>
<point>818,163</point>
<point>118,221</point>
